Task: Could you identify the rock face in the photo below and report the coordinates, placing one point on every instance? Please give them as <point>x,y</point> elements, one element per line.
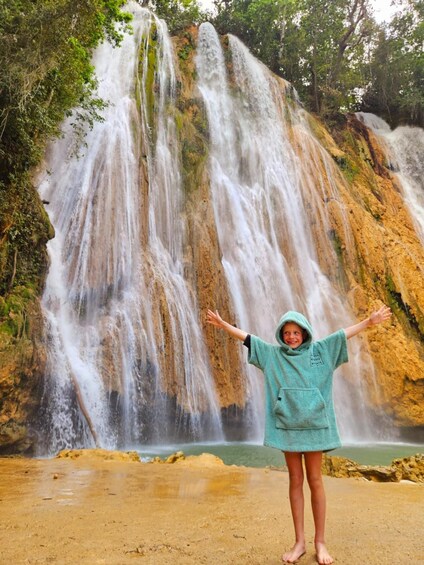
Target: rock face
<point>202,460</point>
<point>380,259</point>
<point>99,454</point>
<point>406,469</point>
<point>384,261</point>
<point>21,368</point>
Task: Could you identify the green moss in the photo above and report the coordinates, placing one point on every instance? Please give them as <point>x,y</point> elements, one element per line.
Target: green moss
<point>13,311</point>
<point>184,51</point>
<point>338,248</point>
<point>24,232</point>
<point>179,122</point>
<point>191,121</point>
<point>148,65</point>
<point>187,47</point>
<point>349,139</point>
<point>194,153</point>
<point>403,311</point>
<point>348,167</point>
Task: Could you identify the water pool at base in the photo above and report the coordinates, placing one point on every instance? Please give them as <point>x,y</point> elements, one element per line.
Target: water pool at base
<point>254,455</point>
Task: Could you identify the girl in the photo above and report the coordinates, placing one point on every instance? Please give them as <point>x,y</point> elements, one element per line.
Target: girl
<point>299,412</point>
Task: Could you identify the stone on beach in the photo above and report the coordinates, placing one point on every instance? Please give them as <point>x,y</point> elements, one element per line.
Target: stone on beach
<point>406,469</point>
<point>103,454</point>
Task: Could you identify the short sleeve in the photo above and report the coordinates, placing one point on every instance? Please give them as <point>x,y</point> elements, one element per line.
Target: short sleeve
<point>334,348</point>
<point>258,352</point>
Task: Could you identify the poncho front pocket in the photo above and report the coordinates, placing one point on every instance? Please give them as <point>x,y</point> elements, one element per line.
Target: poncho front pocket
<point>300,409</point>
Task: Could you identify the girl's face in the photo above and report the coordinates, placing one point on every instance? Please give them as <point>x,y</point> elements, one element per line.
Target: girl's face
<point>292,335</point>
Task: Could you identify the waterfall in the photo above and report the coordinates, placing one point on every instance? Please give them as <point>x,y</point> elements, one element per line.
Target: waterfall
<point>404,148</point>
<point>266,196</point>
<point>119,314</point>
<point>126,361</point>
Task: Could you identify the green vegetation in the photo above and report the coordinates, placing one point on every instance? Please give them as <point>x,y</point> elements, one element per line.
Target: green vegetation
<point>45,72</point>
<point>339,251</point>
<point>194,147</point>
<point>403,311</point>
<point>147,69</point>
<point>335,54</point>
<point>315,44</point>
<point>13,315</point>
<point>395,75</point>
<point>347,166</point>
<point>178,14</point>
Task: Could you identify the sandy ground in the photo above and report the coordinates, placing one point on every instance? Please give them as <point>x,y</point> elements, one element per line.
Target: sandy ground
<point>107,512</point>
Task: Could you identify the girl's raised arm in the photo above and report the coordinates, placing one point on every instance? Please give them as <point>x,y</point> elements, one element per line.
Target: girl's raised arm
<point>376,317</point>
<point>215,319</point>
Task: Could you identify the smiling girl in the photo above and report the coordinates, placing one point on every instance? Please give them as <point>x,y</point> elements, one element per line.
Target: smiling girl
<point>299,412</point>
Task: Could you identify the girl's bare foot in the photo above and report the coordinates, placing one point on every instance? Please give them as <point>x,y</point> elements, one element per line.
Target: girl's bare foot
<point>295,553</point>
<point>323,557</point>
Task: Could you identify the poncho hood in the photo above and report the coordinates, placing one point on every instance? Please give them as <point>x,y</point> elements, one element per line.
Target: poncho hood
<point>301,321</point>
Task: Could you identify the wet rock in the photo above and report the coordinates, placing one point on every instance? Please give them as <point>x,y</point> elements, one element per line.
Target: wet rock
<point>408,468</point>
<point>175,457</point>
<point>202,460</point>
<point>411,468</point>
<point>102,454</point>
<point>14,437</point>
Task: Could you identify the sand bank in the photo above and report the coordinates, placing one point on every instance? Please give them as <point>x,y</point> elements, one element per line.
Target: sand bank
<point>91,511</point>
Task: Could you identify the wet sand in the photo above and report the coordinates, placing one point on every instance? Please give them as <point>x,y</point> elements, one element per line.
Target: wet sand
<point>88,511</point>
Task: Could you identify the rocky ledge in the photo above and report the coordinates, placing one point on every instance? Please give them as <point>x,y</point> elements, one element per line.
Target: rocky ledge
<point>406,469</point>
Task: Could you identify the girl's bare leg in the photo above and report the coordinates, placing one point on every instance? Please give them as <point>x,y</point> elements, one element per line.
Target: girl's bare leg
<point>314,477</point>
<point>294,464</point>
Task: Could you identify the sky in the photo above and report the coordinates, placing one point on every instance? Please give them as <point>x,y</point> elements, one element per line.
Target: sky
<point>383,10</point>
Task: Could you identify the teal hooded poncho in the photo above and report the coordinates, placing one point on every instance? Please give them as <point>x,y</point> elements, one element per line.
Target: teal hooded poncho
<point>299,411</point>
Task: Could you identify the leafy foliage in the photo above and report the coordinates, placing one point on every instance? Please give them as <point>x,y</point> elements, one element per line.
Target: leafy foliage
<point>395,75</point>
<point>315,44</point>
<point>178,14</point>
<point>335,54</point>
<point>45,71</point>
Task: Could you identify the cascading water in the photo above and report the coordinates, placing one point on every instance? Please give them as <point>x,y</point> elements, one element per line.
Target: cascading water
<point>127,363</point>
<point>262,191</point>
<point>116,303</point>
<point>404,148</point>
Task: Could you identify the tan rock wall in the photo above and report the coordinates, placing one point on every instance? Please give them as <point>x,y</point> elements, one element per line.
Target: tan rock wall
<point>21,368</point>
<point>385,264</point>
<point>203,257</point>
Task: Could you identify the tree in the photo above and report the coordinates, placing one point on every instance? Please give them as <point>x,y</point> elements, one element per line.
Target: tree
<point>45,72</point>
<point>178,14</point>
<point>316,44</point>
<point>260,24</point>
<point>395,75</point>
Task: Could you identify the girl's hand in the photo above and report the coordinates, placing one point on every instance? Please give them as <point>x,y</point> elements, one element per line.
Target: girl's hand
<point>380,316</point>
<point>214,318</point>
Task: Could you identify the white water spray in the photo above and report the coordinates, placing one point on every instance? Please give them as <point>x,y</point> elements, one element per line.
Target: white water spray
<point>116,271</point>
<point>404,148</point>
<point>127,362</point>
<point>265,195</point>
